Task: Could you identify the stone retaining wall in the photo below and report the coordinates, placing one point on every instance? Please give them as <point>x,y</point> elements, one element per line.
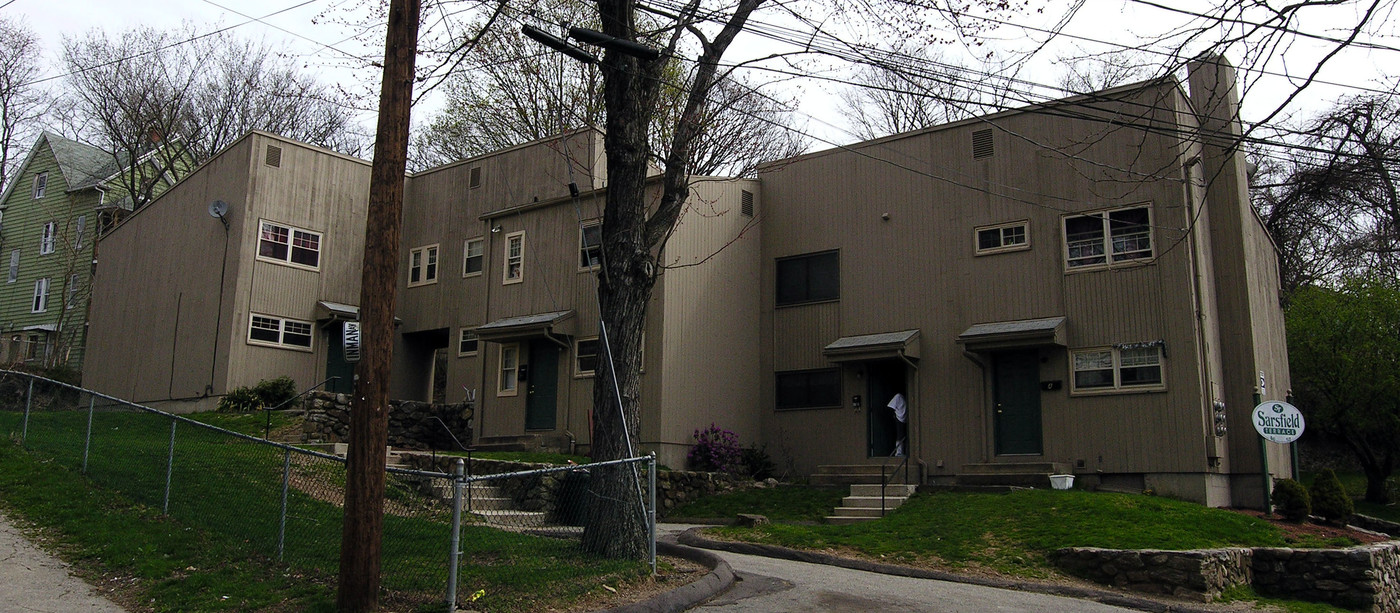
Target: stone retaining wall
<point>411,424</point>
<point>1364,578</point>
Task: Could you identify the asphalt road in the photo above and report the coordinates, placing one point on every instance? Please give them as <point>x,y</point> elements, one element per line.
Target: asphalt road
<point>32,581</point>
<point>771,585</point>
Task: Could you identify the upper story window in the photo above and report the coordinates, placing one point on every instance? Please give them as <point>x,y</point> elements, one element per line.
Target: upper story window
<point>467,343</point>
<point>79,231</point>
<point>289,245</point>
<point>279,332</point>
<point>41,184</point>
<point>46,238</point>
<point>14,267</point>
<point>1014,236</point>
<point>423,265</point>
<point>473,257</point>
<point>514,271</point>
<point>585,357</point>
<point>814,277</point>
<point>1120,367</point>
<point>590,246</point>
<point>41,296</point>
<point>1108,238</point>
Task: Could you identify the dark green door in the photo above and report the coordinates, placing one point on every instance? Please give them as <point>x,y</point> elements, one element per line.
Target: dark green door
<point>1016,391</point>
<point>336,366</point>
<point>541,385</point>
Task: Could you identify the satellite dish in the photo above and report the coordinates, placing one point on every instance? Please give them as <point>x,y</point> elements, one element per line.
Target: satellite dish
<point>217,208</point>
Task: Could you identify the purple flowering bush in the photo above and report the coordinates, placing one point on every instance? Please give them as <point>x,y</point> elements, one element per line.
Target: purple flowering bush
<point>715,450</point>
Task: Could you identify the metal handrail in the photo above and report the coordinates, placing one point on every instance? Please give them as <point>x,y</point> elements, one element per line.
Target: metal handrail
<point>885,479</point>
<point>267,426</point>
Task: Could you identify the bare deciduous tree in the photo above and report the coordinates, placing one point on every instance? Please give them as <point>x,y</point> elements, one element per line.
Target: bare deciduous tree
<point>912,88</point>
<point>22,102</point>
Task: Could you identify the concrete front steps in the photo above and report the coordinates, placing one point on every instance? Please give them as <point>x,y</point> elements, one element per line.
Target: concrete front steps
<point>858,474</point>
<point>1014,474</point>
<point>865,502</point>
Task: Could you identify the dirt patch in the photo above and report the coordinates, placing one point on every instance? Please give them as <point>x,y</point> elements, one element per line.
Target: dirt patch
<point>1313,532</point>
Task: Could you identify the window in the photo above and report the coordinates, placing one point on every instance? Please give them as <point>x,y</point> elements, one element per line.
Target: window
<point>808,389</point>
<point>279,332</point>
<point>473,252</point>
<point>514,271</point>
<point>809,278</point>
<point>423,265</point>
<point>467,344</point>
<point>72,292</point>
<point>1121,367</point>
<point>509,370</point>
<point>590,246</point>
<point>289,245</point>
<point>41,184</point>
<point>14,267</point>
<point>41,296</point>
<point>474,179</point>
<point>46,239</point>
<point>1004,237</point>
<point>585,356</point>
<point>38,347</point>
<point>1108,238</point>
<point>78,232</point>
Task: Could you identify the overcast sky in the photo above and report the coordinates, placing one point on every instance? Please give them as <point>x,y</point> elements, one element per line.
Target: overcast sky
<point>1111,21</point>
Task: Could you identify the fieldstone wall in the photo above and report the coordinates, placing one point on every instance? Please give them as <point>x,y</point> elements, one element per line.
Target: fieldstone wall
<point>411,424</point>
<point>1364,578</point>
<point>1196,574</point>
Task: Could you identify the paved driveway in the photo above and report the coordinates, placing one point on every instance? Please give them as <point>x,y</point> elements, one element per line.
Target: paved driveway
<point>771,585</point>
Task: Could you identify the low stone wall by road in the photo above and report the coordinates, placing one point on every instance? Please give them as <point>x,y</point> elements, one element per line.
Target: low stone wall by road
<point>411,424</point>
<point>1364,578</point>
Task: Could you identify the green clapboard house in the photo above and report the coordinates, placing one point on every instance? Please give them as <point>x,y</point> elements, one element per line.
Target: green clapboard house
<point>51,213</point>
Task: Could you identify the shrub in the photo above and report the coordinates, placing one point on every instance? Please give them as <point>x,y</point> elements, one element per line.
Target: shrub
<point>267,393</point>
<point>715,450</point>
<point>1330,499</point>
<point>757,463</point>
<point>1291,500</point>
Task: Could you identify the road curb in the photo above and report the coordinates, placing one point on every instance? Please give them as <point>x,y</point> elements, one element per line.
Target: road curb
<point>693,538</point>
<point>716,582</point>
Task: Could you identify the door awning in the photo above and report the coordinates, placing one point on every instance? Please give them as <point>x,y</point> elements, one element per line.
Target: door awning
<point>904,343</point>
<point>540,325</point>
<point>1014,334</point>
<point>41,328</point>
<point>326,310</point>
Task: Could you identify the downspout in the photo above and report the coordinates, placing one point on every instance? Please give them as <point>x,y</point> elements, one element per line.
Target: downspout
<point>981,365</point>
<point>916,435</point>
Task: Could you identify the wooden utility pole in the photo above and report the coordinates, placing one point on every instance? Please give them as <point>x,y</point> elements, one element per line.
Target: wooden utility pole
<point>363,528</point>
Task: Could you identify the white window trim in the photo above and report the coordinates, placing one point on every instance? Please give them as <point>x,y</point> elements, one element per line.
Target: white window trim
<point>1108,239</point>
<point>581,248</point>
<point>40,187</point>
<point>977,244</point>
<point>1118,387</point>
<point>81,224</point>
<point>501,371</point>
<point>426,253</point>
<point>579,372</point>
<point>73,283</point>
<point>47,238</point>
<point>40,301</point>
<point>14,267</point>
<point>281,333</point>
<point>480,240</point>
<point>461,336</point>
<point>506,279</point>
<point>291,240</point>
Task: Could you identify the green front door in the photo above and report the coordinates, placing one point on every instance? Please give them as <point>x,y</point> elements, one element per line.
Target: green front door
<point>1016,396</point>
<point>336,366</point>
<point>541,385</point>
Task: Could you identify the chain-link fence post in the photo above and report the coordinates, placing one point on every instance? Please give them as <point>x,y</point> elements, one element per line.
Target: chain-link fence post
<point>87,439</point>
<point>651,511</point>
<point>28,400</point>
<point>458,468</point>
<point>282,516</point>
<point>169,468</point>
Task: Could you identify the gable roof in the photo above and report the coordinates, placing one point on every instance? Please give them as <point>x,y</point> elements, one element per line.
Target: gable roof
<point>82,165</point>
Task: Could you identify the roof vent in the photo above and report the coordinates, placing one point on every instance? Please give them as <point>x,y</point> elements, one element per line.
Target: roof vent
<point>746,203</point>
<point>273,157</point>
<point>475,180</point>
<point>982,144</point>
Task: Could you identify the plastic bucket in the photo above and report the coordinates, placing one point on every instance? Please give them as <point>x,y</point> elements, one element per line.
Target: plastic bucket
<point>1062,482</point>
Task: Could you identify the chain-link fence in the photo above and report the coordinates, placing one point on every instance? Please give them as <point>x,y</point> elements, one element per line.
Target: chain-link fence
<point>516,535</point>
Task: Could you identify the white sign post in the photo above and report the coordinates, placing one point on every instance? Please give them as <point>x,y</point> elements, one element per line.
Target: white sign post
<point>1278,422</point>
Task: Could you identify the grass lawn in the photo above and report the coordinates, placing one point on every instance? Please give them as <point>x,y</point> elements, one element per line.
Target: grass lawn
<point>224,506</point>
<point>1355,484</point>
<point>785,503</point>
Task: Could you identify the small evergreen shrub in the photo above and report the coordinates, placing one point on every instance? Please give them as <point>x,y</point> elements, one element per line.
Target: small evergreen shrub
<point>715,450</point>
<point>1330,499</point>
<point>267,393</point>
<point>1291,500</point>
<point>757,463</point>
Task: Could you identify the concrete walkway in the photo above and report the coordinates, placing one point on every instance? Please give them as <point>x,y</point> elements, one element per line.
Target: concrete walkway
<point>32,581</point>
